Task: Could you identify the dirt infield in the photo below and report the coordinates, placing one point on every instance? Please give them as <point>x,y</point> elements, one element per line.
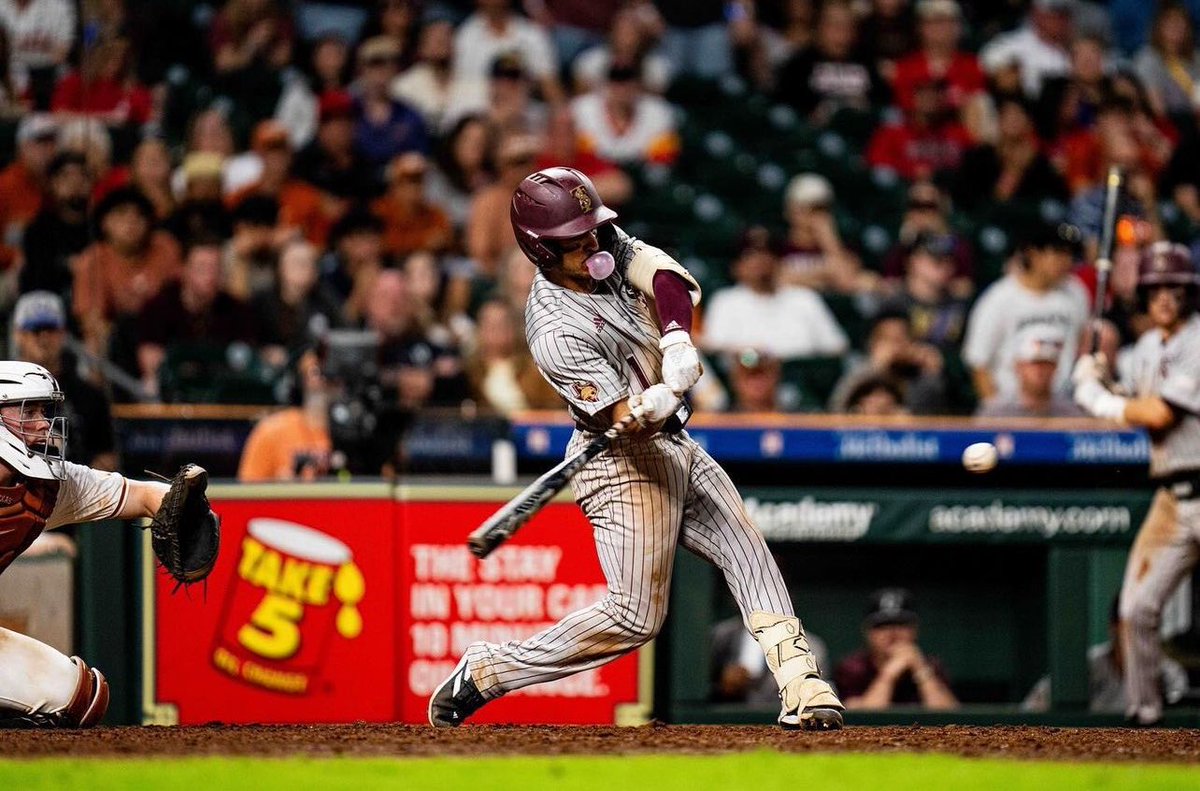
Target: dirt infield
<point>1071,744</point>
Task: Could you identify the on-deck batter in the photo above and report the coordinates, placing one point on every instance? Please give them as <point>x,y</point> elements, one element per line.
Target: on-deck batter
<point>1166,365</point>
<point>612,336</point>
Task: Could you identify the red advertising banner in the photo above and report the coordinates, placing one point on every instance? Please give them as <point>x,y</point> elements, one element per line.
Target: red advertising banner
<point>450,600</point>
<point>345,608</point>
<point>297,623</point>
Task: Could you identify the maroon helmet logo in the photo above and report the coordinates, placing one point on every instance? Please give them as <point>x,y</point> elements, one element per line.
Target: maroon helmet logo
<point>585,200</point>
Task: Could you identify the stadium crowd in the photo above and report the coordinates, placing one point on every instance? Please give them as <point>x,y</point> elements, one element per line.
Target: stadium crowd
<point>892,205</point>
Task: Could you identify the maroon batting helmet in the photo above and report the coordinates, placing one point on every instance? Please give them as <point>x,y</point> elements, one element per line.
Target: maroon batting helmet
<point>552,204</point>
<point>1167,264</point>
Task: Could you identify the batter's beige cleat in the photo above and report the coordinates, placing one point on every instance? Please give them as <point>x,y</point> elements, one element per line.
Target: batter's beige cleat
<point>817,709</point>
<point>808,702</point>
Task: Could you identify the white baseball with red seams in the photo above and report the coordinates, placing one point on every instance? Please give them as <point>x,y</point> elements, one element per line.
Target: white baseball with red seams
<point>980,457</point>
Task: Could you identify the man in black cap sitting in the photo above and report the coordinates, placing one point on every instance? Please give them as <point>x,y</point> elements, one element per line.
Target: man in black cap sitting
<point>891,669</point>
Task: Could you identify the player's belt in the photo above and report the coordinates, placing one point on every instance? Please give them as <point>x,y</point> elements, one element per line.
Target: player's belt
<point>1184,485</point>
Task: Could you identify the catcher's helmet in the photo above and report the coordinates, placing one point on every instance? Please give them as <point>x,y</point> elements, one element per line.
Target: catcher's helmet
<point>1168,264</point>
<point>33,440</point>
<point>552,204</point>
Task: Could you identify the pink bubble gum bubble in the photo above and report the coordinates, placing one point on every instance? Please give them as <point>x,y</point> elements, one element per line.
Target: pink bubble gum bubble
<point>600,265</point>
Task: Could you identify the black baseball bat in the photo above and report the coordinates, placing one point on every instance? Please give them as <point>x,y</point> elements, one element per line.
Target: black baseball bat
<point>1104,262</point>
<point>501,525</point>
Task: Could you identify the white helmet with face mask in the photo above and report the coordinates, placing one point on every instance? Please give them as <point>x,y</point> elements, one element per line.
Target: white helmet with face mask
<point>33,432</point>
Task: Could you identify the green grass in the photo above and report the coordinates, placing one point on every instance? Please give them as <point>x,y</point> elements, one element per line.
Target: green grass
<point>763,771</point>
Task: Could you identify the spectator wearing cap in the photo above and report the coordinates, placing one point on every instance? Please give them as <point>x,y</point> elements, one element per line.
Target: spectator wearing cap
<point>209,133</point>
<point>293,444</point>
<point>415,370</point>
<point>1011,168</point>
<point>384,127</point>
<point>927,213</point>
<point>830,75</point>
<point>623,123</point>
<point>1039,290</point>
<point>120,272</point>
<point>60,231</point>
<point>248,258</point>
<point>754,382</point>
<point>410,221</point>
<point>302,208</point>
<point>41,34</point>
<point>814,255</point>
<point>489,233</point>
<point>1038,49</point>
<point>785,321</point>
<point>499,369</point>
<point>297,308</point>
<point>193,310</point>
<point>939,27</point>
<point>891,669</point>
<point>561,148</point>
<point>39,327</point>
<point>630,40</point>
<point>104,87</point>
<point>355,259</point>
<point>936,310</point>
<point>201,211</point>
<point>1039,348</point>
<point>331,162</point>
<point>913,368</point>
<point>430,85</point>
<point>929,140</point>
<point>494,29</point>
<point>150,172</point>
<point>1169,64</point>
<point>23,182</point>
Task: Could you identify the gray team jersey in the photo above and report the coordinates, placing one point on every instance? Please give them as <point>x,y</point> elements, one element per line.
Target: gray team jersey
<point>594,349</point>
<point>1171,371</point>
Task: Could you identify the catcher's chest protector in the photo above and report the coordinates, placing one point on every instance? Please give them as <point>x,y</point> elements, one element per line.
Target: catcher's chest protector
<point>24,509</point>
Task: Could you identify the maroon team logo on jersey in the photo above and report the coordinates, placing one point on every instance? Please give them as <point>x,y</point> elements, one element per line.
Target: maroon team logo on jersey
<point>585,200</point>
<point>598,320</point>
<point>587,392</point>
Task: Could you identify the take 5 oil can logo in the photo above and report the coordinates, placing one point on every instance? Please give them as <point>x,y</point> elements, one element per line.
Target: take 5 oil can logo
<point>294,590</point>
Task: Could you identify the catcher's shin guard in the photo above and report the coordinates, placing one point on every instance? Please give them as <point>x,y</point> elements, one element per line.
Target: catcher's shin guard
<point>807,701</point>
<point>86,707</point>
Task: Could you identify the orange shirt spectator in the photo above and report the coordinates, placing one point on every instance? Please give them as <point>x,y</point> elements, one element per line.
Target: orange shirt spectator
<point>21,183</point>
<point>302,207</point>
<point>293,444</point>
<point>286,446</point>
<point>410,223</point>
<point>119,274</point>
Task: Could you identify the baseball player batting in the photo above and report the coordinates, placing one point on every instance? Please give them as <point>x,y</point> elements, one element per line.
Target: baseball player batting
<point>1166,365</point>
<point>608,321</point>
<point>39,687</point>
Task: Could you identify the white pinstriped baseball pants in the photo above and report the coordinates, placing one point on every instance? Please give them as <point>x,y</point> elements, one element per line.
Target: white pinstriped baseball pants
<point>1167,547</point>
<point>642,497</point>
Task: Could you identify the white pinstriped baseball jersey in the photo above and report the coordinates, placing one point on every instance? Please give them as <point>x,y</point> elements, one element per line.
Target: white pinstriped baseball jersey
<point>643,497</point>
<point>1171,371</point>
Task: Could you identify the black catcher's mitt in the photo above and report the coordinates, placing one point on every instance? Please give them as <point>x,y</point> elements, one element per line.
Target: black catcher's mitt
<point>185,533</point>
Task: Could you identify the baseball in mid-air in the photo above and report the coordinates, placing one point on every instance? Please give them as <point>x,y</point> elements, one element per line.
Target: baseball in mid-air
<point>980,457</point>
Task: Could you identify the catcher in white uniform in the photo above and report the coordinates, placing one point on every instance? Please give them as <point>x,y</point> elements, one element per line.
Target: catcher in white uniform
<point>608,322</point>
<point>1166,402</point>
<point>39,490</point>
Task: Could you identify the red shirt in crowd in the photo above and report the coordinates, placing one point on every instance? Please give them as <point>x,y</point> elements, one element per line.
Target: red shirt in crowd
<point>963,78</point>
<point>121,98</point>
<point>918,153</point>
